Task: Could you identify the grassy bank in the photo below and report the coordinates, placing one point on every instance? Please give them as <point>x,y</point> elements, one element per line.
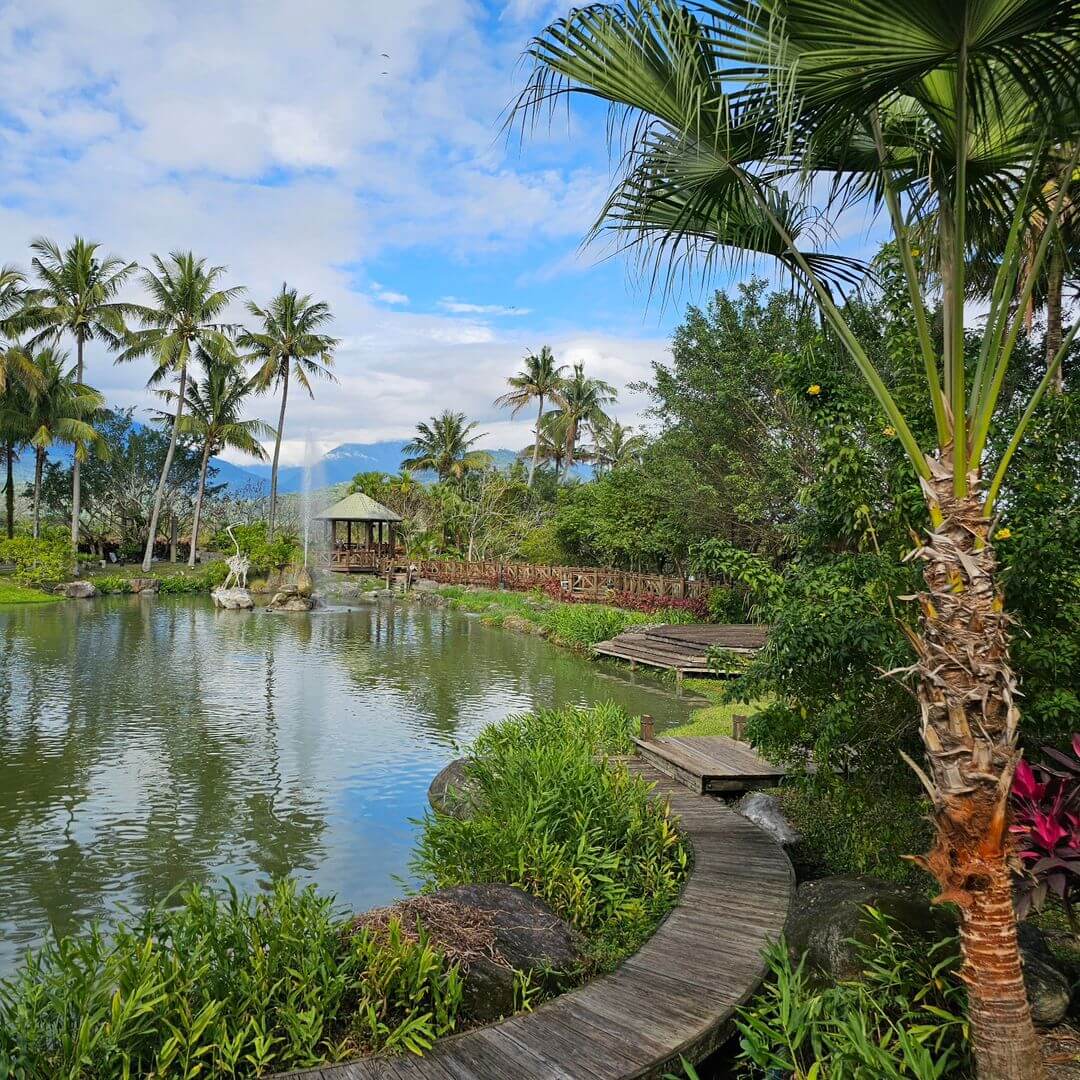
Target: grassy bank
<point>12,593</point>
<point>228,986</point>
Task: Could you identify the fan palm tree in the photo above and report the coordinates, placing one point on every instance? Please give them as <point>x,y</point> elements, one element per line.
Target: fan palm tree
<point>183,321</point>
<point>581,404</point>
<point>738,106</point>
<point>445,447</point>
<point>214,416</point>
<point>539,378</point>
<point>75,294</point>
<point>615,446</point>
<point>289,343</point>
<point>58,408</point>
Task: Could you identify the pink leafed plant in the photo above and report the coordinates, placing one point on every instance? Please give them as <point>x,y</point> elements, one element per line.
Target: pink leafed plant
<point>1046,830</point>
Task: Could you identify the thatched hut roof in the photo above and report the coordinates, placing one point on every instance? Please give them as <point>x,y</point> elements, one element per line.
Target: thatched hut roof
<point>358,507</point>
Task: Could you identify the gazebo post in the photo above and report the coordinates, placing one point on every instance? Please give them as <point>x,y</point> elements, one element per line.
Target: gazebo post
<point>348,542</point>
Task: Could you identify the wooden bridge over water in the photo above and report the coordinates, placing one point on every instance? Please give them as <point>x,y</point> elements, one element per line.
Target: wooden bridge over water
<point>676,997</point>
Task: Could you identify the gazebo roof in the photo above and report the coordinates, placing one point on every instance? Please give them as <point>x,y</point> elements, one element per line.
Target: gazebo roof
<point>358,507</point>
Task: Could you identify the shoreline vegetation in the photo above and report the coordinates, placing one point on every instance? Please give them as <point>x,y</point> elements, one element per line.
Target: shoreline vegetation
<point>244,985</point>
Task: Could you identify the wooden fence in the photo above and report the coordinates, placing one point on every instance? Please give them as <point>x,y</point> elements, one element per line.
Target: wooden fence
<point>579,582</point>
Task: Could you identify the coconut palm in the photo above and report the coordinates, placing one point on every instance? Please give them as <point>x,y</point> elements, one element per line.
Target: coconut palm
<point>58,408</point>
<point>182,322</point>
<point>550,445</point>
<point>539,378</point>
<point>75,294</point>
<point>581,404</point>
<point>214,416</point>
<point>289,344</point>
<point>445,447</point>
<point>614,446</point>
<point>736,106</point>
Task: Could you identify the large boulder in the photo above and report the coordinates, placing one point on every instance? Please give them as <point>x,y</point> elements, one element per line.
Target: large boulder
<point>232,599</point>
<point>765,811</point>
<point>449,793</point>
<point>829,916</point>
<point>145,584</point>
<point>493,931</point>
<point>77,590</point>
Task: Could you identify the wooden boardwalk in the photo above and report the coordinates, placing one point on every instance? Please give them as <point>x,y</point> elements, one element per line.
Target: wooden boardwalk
<point>675,997</point>
<point>683,648</point>
<point>710,764</point>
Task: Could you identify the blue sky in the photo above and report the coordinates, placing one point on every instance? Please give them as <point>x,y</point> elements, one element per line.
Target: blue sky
<point>350,147</point>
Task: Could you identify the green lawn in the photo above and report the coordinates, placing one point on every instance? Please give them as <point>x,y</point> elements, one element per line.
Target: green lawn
<point>714,719</point>
<point>10,593</point>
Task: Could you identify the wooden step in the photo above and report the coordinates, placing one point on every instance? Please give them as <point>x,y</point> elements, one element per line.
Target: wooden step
<point>710,764</point>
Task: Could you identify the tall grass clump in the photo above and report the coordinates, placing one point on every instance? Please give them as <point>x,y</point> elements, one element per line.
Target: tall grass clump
<point>552,817</point>
<point>222,986</point>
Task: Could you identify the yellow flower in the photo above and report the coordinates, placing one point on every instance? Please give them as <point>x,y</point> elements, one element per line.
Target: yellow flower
<point>1003,534</point>
<point>889,431</point>
<point>813,389</point>
<point>916,252</point>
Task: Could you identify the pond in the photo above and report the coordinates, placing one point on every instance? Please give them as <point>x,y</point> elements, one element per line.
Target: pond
<point>145,743</point>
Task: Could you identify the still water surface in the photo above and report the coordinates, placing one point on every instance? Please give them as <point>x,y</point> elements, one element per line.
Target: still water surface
<point>149,742</point>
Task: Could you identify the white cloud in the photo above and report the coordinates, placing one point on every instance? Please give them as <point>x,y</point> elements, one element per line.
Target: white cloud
<point>460,307</point>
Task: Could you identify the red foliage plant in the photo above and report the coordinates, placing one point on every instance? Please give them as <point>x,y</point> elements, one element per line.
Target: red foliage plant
<point>646,602</point>
<point>1046,825</point>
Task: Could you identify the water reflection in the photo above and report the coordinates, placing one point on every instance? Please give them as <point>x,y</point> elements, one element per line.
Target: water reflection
<point>147,742</point>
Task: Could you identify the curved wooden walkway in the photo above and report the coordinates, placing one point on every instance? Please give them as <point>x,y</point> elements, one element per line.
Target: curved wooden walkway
<point>674,997</point>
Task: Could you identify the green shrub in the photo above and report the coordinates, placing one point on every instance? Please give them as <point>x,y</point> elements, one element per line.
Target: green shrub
<point>112,584</point>
<point>583,625</point>
<point>38,562</point>
<point>185,584</point>
<point>222,986</point>
<point>552,818</point>
<point>265,555</point>
<point>904,1019</point>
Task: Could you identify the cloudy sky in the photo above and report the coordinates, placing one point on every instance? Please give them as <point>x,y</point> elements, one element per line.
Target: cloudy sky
<point>352,148</point>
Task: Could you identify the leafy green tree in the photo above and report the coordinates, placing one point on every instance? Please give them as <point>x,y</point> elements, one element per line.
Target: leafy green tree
<point>214,417</point>
<point>581,405</point>
<point>59,408</point>
<point>182,321</point>
<point>75,294</point>
<point>730,111</point>
<point>445,446</point>
<point>288,344</point>
<point>541,379</point>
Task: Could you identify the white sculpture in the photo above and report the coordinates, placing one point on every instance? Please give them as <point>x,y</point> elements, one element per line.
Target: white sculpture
<point>238,565</point>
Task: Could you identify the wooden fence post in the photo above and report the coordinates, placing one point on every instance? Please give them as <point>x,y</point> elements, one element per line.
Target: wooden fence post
<point>738,728</point>
<point>647,728</point>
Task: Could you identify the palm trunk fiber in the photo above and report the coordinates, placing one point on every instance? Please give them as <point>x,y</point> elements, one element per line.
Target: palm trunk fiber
<point>39,463</point>
<point>9,488</point>
<point>966,690</point>
<point>197,520</point>
<point>277,452</point>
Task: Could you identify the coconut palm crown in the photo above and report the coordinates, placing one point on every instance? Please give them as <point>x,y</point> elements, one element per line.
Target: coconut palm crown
<point>540,378</point>
<point>734,117</point>
<point>444,446</point>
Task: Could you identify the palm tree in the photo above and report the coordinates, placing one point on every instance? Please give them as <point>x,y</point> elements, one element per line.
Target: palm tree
<point>540,378</point>
<point>59,408</point>
<point>734,112</point>
<point>214,407</point>
<point>444,447</point>
<point>582,400</point>
<point>289,343</point>
<point>76,294</point>
<point>615,446</point>
<point>184,318</point>
<point>550,445</point>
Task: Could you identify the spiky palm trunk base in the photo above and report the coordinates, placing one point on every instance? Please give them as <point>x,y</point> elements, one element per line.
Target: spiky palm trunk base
<point>967,690</point>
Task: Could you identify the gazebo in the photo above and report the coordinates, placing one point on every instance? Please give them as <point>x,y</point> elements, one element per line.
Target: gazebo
<point>363,534</point>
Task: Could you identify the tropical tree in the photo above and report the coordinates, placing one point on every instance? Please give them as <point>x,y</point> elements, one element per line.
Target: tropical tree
<point>540,378</point>
<point>214,417</point>
<point>75,294</point>
<point>182,322</point>
<point>289,343</point>
<point>581,404</point>
<point>736,112</point>
<point>614,445</point>
<point>444,446</point>
<point>59,409</point>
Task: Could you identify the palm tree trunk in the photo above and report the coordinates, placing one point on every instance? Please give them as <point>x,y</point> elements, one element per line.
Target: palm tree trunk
<point>159,496</point>
<point>277,450</point>
<point>1055,284</point>
<point>39,462</point>
<point>76,481</point>
<point>969,728</point>
<point>536,442</point>
<point>198,505</point>
<point>9,490</point>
